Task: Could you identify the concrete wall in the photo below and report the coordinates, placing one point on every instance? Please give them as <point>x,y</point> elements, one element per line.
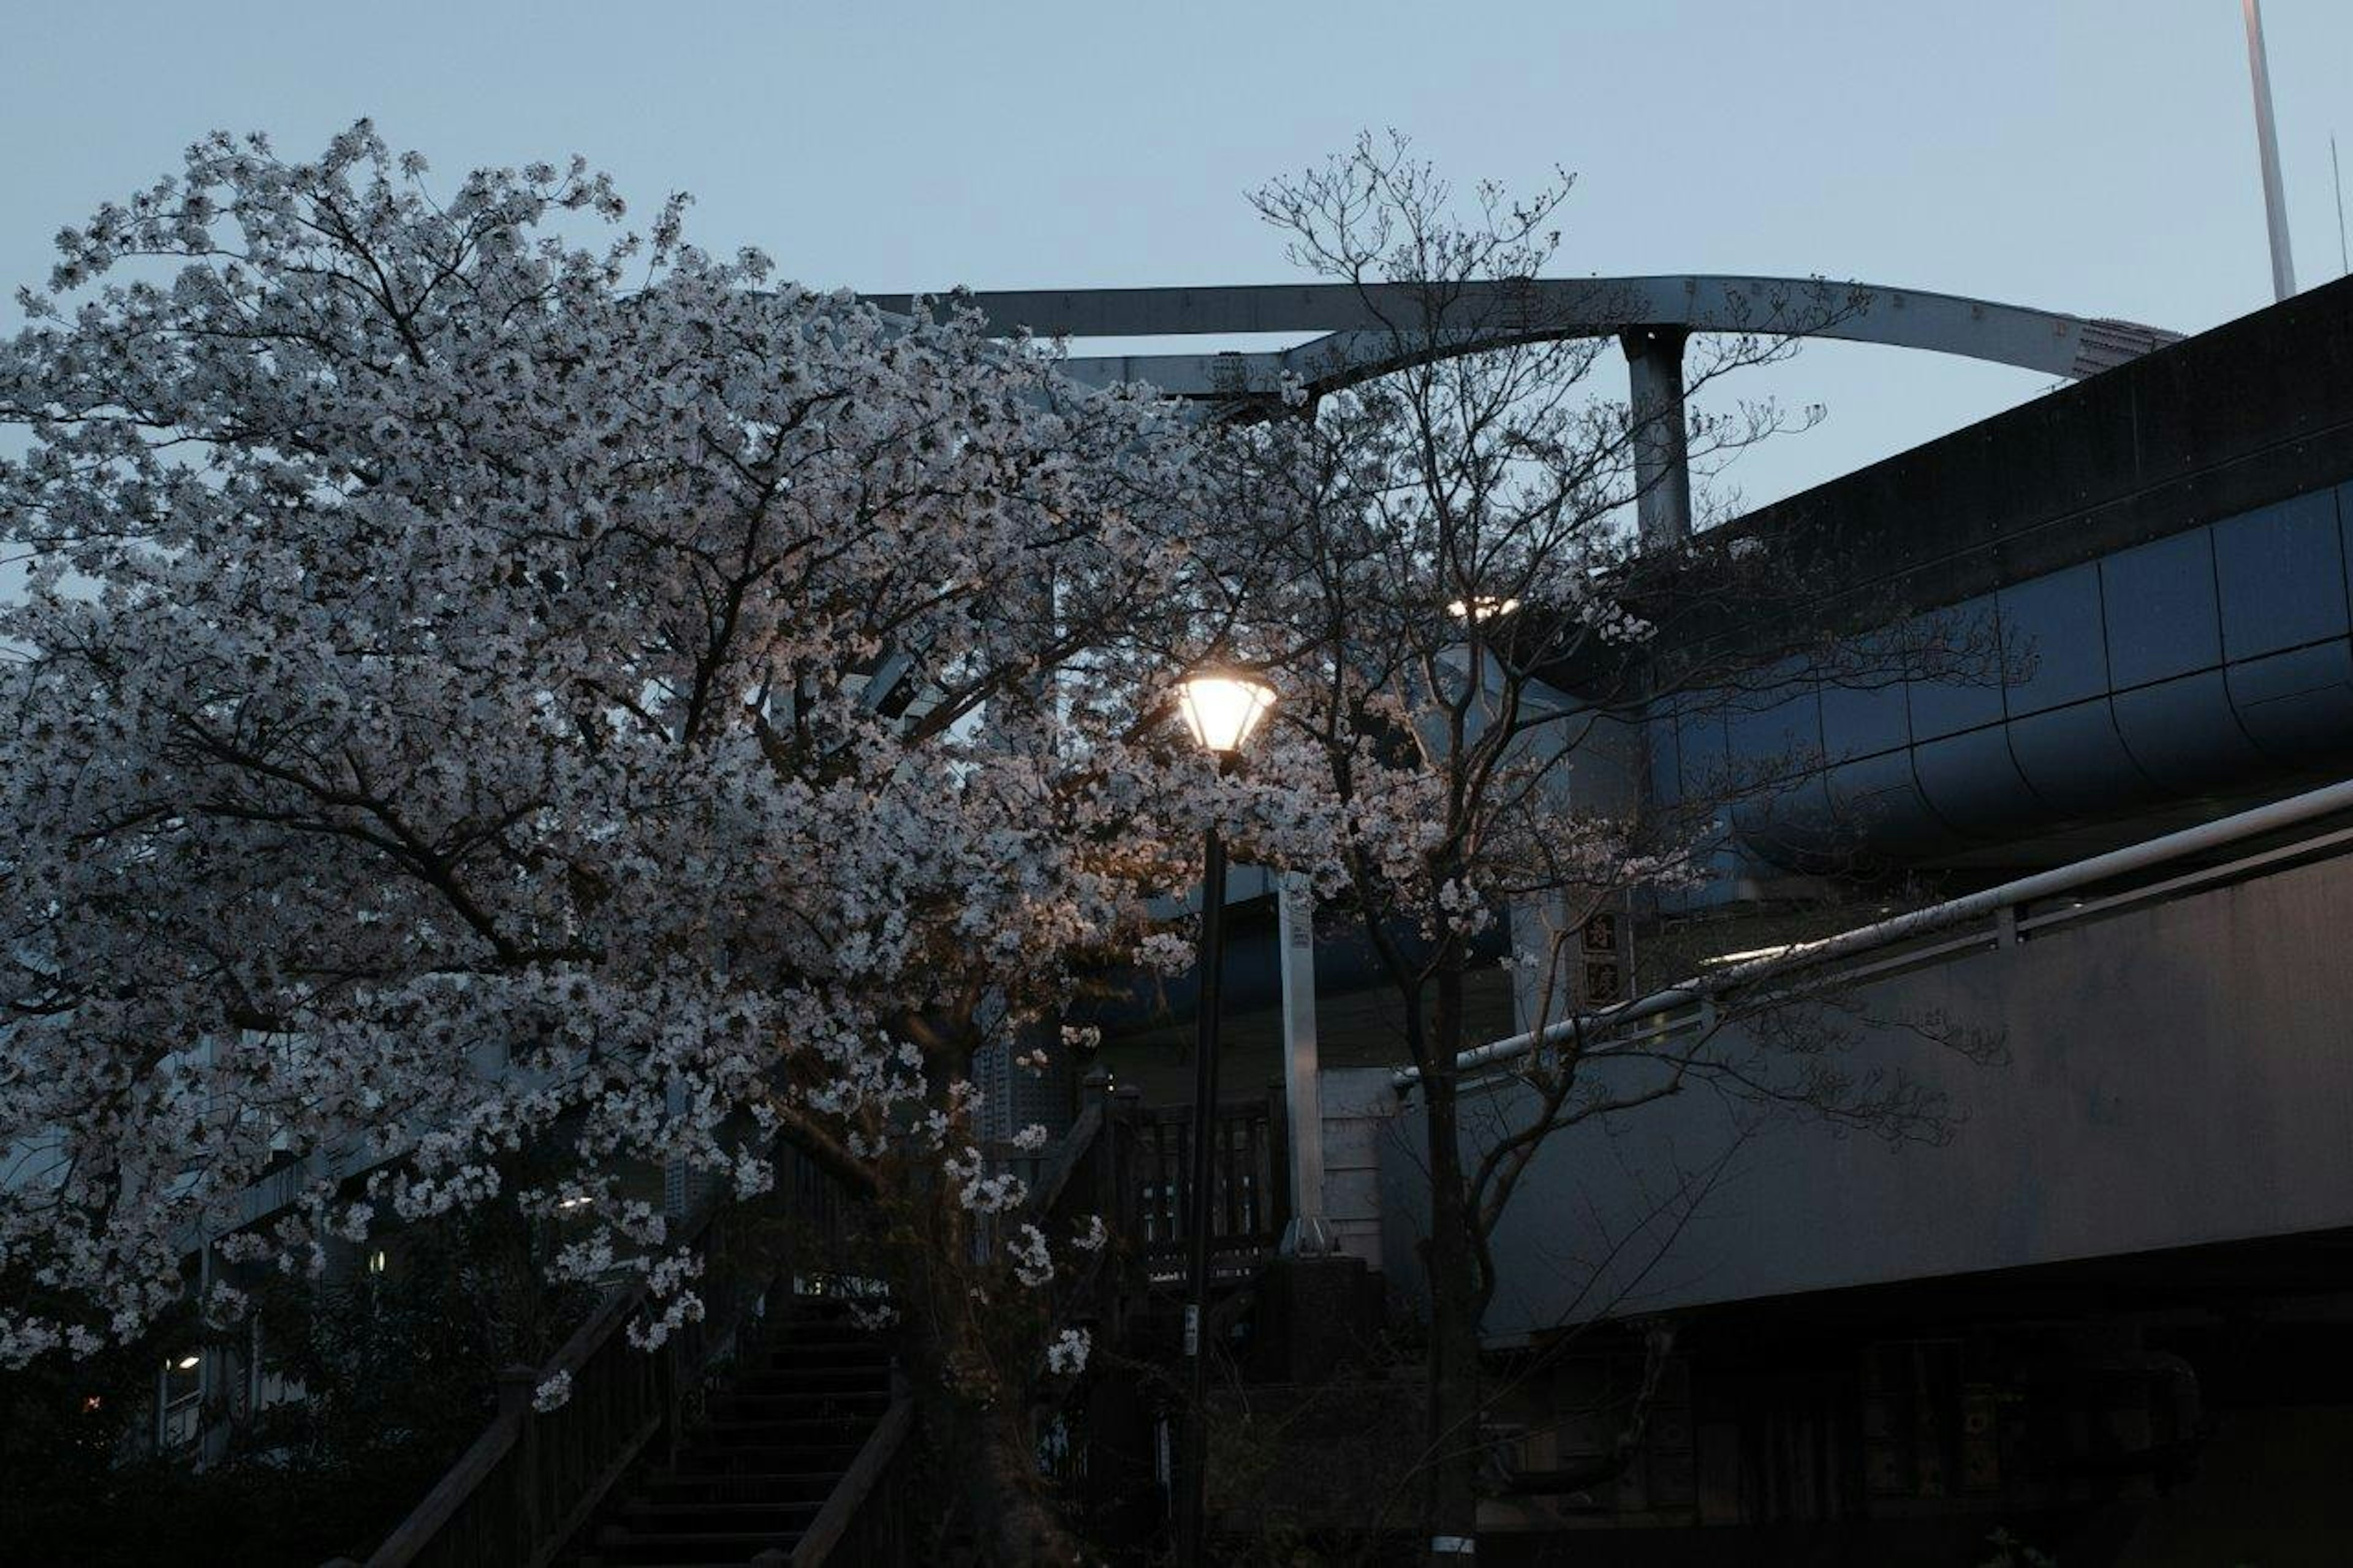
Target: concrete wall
<point>2178,1073</point>
<point>1358,1103</point>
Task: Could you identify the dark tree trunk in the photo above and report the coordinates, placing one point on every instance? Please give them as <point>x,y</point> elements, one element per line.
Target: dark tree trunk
<point>990,1483</point>
<point>1454,1298</point>
<point>997,1460</point>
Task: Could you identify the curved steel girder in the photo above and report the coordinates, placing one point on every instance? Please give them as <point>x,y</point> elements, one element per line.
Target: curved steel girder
<point>1364,326</point>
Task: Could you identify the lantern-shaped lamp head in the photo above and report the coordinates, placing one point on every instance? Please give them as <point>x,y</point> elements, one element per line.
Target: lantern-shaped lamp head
<point>1481,607</point>
<point>1223,707</point>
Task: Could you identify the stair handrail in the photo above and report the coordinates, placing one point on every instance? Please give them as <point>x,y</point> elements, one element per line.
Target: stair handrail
<point>468,1518</point>
<point>1076,1144</point>
<point>871,1476</point>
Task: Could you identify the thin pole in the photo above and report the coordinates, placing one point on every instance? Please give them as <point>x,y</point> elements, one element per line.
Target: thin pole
<point>2267,147</point>
<point>2336,178</point>
<point>1192,1521</point>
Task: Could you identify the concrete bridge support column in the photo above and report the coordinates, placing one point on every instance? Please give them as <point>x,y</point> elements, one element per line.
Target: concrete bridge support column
<point>1654,364</point>
<point>1302,1091</point>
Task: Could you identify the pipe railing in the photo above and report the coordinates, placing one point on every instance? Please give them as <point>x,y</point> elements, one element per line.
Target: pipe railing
<point>2006,904</point>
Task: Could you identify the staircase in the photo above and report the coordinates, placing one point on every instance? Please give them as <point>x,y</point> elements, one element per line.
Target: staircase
<point>749,1480</point>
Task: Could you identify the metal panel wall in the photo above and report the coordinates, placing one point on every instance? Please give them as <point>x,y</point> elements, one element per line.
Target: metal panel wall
<point>2177,1074</point>
<point>2215,660</point>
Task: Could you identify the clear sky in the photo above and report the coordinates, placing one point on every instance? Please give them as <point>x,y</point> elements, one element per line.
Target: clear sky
<point>2095,156</point>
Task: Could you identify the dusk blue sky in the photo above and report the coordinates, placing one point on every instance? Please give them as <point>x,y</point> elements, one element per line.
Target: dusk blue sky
<point>2095,156</point>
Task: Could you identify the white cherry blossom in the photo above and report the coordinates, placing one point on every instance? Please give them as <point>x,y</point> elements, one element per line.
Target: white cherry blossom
<point>477,693</point>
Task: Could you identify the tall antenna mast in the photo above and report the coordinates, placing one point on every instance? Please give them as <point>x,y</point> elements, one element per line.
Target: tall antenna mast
<point>2267,144</point>
<point>2337,177</point>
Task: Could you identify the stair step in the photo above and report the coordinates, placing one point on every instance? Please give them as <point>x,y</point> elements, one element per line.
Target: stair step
<point>636,1508</point>
<point>873,1385</point>
<point>812,1347</point>
<point>691,1546</point>
<point>796,1359</point>
<point>810,1405</point>
<point>797,1485</point>
<point>768,1458</point>
<point>862,1374</point>
<point>840,1328</point>
<point>770,1393</point>
<point>777,1425</point>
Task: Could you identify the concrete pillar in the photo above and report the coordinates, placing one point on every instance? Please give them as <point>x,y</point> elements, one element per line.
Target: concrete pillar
<point>1302,1090</point>
<point>1654,365</point>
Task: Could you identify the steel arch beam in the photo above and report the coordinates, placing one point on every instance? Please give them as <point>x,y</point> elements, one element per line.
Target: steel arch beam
<point>1373,328</point>
<point>1363,325</point>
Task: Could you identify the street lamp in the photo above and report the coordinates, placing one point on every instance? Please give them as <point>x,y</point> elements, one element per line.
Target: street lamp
<point>1222,708</point>
<point>1481,607</point>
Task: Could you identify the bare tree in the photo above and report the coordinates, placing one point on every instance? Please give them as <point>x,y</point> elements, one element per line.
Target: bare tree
<point>1438,559</point>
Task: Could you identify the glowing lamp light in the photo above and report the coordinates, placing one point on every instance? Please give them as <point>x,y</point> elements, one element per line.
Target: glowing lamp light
<point>1223,709</point>
<point>1482,608</point>
<point>186,1364</point>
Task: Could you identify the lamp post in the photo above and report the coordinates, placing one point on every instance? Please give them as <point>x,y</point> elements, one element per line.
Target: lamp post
<point>1221,708</point>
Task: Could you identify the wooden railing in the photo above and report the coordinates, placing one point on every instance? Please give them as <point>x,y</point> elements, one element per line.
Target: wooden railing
<point>868,1521</point>
<point>533,1478</point>
<point>1150,1182</point>
<point>1132,1165</point>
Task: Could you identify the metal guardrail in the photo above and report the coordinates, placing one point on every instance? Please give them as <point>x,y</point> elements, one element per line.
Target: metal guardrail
<point>1997,916</point>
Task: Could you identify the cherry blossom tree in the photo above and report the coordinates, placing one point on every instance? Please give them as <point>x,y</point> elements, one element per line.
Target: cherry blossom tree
<point>483,686</point>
